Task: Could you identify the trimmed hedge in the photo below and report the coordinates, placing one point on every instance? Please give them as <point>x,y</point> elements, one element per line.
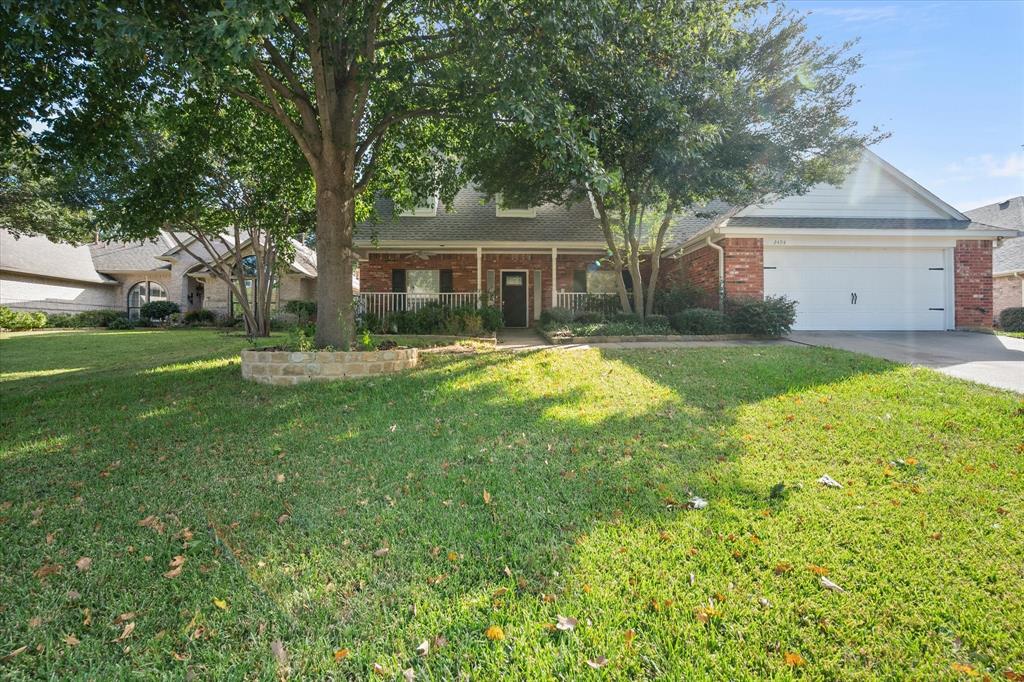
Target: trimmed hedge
<point>158,310</point>
<point>434,318</point>
<point>89,318</point>
<point>18,321</point>
<point>774,316</point>
<point>700,321</point>
<point>199,317</point>
<point>1012,320</point>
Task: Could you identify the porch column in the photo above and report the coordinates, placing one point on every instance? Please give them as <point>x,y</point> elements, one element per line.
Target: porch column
<point>554,276</point>
<point>479,264</point>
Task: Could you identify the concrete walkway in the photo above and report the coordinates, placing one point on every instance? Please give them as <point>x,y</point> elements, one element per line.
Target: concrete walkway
<point>520,339</point>
<point>985,358</point>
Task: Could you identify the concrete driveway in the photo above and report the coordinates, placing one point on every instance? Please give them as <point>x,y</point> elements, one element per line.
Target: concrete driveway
<point>986,358</point>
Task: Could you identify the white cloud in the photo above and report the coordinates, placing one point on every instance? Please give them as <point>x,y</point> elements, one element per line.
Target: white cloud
<point>987,166</point>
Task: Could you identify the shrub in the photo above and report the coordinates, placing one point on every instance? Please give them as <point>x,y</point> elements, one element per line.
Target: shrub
<point>96,318</point>
<point>230,321</point>
<point>1012,319</point>
<point>555,316</point>
<point>656,324</point>
<point>61,320</point>
<point>588,317</point>
<point>774,316</point>
<point>699,321</point>
<point>491,318</point>
<point>681,297</point>
<point>628,318</point>
<point>158,310</point>
<point>18,321</point>
<point>121,323</point>
<point>303,310</point>
<point>199,317</point>
<point>371,322</point>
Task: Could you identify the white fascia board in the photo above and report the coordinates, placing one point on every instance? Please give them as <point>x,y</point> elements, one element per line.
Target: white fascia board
<point>824,231</point>
<point>511,246</point>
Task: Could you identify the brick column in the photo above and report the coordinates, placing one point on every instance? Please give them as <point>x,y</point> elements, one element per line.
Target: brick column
<point>972,264</point>
<point>744,268</point>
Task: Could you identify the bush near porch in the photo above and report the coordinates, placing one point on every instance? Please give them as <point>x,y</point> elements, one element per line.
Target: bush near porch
<point>342,525</point>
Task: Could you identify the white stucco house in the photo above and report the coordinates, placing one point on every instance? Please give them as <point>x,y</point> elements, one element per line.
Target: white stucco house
<point>37,274</point>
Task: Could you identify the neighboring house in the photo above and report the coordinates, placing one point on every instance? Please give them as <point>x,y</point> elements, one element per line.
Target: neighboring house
<point>37,274</point>
<point>878,252</point>
<point>1007,258</point>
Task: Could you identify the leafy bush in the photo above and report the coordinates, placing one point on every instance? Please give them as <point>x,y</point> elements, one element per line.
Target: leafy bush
<point>555,316</point>
<point>158,310</point>
<point>491,318</point>
<point>1012,320</point>
<point>199,317</point>
<point>682,297</point>
<point>700,321</point>
<point>61,320</point>
<point>434,318</point>
<point>18,321</point>
<point>774,316</point>
<point>230,321</point>
<point>370,322</point>
<point>304,310</point>
<point>658,321</point>
<point>628,318</point>
<point>121,323</point>
<point>588,317</point>
<point>96,318</point>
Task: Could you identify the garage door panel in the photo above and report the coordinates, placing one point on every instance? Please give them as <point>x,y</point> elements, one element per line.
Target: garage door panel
<point>896,289</point>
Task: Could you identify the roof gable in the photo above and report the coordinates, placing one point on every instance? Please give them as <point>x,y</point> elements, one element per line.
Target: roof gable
<point>40,256</point>
<point>873,189</point>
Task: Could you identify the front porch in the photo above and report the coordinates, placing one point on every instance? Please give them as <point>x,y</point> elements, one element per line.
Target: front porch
<point>521,284</point>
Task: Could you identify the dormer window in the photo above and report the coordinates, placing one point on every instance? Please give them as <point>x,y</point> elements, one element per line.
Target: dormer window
<point>504,210</point>
<point>427,209</point>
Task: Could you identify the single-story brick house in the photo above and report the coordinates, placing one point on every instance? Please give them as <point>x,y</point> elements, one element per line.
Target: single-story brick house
<point>37,274</point>
<point>1008,259</point>
<point>878,252</point>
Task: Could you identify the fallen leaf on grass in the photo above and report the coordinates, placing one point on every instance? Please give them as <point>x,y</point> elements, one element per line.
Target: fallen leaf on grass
<point>83,564</point>
<point>783,567</point>
<point>706,613</point>
<point>409,675</point>
<point>424,648</point>
<point>1012,676</point>
<point>71,640</point>
<point>379,669</point>
<point>277,648</point>
<point>46,570</point>
<point>965,669</point>
<point>220,604</point>
<point>566,624</point>
<point>597,662</point>
<point>794,659</point>
<point>283,519</point>
<point>817,570</point>
<point>129,628</point>
<point>153,523</point>
<point>383,551</point>
<point>829,482</point>
<point>829,585</point>
<point>279,478</point>
<point>176,566</point>
<point>17,652</point>
<point>495,633</point>
<point>629,635</point>
<point>124,617</point>
<point>487,497</point>
<point>340,655</point>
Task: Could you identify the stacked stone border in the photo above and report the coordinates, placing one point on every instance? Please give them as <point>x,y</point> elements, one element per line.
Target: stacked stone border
<point>286,368</point>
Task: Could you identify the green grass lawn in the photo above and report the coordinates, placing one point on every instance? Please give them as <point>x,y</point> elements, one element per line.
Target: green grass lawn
<point>504,490</point>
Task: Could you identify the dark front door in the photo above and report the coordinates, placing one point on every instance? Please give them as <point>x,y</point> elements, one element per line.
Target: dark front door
<point>513,298</point>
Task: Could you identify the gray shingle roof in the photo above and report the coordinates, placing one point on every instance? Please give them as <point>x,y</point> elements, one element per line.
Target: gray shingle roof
<point>472,220</point>
<point>1010,213</point>
<point>855,223</point>
<point>40,256</point>
<point>126,257</point>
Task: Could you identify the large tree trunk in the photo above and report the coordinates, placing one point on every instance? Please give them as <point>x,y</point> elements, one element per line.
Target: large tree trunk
<point>659,244</point>
<point>335,219</point>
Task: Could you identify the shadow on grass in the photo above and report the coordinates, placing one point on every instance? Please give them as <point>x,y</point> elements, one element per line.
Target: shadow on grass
<point>353,512</point>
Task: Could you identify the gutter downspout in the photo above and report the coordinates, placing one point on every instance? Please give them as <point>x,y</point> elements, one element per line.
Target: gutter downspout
<point>721,271</point>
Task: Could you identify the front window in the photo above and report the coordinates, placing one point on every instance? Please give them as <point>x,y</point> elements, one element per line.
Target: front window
<point>505,209</point>
<point>142,293</point>
<point>423,281</point>
<point>602,282</point>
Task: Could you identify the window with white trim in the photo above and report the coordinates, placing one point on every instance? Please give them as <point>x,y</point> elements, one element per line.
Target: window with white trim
<point>602,282</point>
<point>427,209</point>
<point>423,281</point>
<point>506,210</point>
<point>142,293</point>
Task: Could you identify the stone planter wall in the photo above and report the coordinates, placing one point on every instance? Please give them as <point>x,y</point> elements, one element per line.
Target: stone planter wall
<point>285,368</point>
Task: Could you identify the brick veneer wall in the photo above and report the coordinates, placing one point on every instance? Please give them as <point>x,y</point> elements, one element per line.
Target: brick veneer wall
<point>1006,293</point>
<point>972,262</point>
<point>744,269</point>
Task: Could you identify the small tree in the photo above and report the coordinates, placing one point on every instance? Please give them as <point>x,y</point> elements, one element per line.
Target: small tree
<point>679,103</point>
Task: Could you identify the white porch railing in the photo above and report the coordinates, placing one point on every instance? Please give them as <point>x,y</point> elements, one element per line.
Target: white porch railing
<point>382,304</point>
<point>577,301</point>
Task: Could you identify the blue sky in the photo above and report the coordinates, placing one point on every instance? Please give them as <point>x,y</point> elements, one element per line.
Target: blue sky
<point>946,79</point>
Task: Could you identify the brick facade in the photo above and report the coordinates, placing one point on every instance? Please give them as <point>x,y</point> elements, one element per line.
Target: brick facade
<point>375,272</point>
<point>972,263</point>
<point>744,269</point>
<point>1006,293</point>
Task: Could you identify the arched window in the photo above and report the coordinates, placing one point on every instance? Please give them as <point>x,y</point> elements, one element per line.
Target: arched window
<point>142,293</point>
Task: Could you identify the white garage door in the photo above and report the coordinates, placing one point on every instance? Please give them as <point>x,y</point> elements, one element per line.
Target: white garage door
<point>860,289</point>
